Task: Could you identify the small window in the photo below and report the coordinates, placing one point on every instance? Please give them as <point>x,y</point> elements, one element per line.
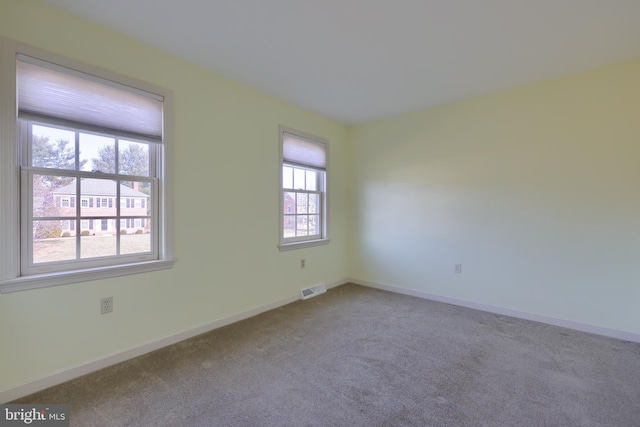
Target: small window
<point>303,190</point>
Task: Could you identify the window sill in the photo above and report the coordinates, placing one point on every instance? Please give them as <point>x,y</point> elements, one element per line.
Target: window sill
<point>300,245</point>
<point>37,281</point>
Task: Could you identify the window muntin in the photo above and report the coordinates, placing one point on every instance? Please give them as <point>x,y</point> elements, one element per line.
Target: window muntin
<point>303,189</point>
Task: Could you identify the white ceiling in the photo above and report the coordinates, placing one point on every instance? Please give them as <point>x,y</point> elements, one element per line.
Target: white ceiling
<point>360,60</point>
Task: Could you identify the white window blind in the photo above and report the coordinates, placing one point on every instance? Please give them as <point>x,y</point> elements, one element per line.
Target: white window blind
<point>56,94</point>
<point>302,152</point>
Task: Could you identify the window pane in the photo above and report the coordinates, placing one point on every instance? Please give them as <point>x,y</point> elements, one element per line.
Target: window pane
<point>289,202</point>
<point>289,226</point>
<point>301,227</point>
<point>97,153</point>
<point>96,241</point>
<point>314,203</point>
<point>314,224</point>
<point>92,193</point>
<point>53,196</point>
<point>301,202</point>
<point>138,237</point>
<point>52,148</point>
<point>287,177</point>
<point>135,198</point>
<point>298,179</point>
<point>133,158</point>
<point>48,245</point>
<point>312,180</point>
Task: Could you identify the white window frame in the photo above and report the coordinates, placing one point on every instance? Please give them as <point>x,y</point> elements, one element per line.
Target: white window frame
<point>12,276</point>
<point>322,190</point>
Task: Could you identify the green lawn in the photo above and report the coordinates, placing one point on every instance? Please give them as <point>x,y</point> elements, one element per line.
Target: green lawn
<point>60,249</point>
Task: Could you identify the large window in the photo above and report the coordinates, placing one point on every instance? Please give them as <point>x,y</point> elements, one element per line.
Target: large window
<point>85,136</point>
<point>63,162</point>
<point>303,201</point>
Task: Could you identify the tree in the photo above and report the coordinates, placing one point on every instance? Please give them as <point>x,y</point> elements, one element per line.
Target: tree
<point>133,160</point>
<point>106,160</point>
<point>54,155</point>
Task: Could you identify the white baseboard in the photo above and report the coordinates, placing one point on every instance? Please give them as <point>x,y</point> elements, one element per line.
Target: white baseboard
<point>114,358</point>
<point>569,324</point>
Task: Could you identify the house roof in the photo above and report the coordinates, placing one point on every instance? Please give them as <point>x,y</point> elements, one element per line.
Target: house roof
<point>99,187</point>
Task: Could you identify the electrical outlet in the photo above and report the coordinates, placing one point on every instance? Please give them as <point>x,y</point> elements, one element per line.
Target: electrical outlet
<point>302,262</point>
<point>106,305</point>
<point>457,269</point>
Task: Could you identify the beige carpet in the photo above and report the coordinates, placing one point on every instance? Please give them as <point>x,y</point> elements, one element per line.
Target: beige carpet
<point>362,357</point>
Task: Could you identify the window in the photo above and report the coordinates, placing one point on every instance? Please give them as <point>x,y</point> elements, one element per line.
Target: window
<point>86,134</point>
<point>303,195</point>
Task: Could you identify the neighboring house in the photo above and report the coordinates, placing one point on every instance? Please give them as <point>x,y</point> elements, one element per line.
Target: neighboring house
<point>289,208</point>
<point>98,200</point>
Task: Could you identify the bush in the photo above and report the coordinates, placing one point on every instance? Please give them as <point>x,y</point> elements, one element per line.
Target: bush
<point>66,234</point>
<point>54,233</point>
<point>123,231</point>
<point>47,232</point>
<point>85,233</point>
<point>139,231</point>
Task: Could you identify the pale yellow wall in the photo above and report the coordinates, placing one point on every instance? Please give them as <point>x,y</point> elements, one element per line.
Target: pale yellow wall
<point>226,211</point>
<point>534,190</point>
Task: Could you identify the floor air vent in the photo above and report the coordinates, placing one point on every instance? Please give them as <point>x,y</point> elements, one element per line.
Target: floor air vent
<point>312,291</point>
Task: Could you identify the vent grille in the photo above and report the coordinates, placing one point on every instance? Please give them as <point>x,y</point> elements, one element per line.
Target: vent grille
<point>312,291</point>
